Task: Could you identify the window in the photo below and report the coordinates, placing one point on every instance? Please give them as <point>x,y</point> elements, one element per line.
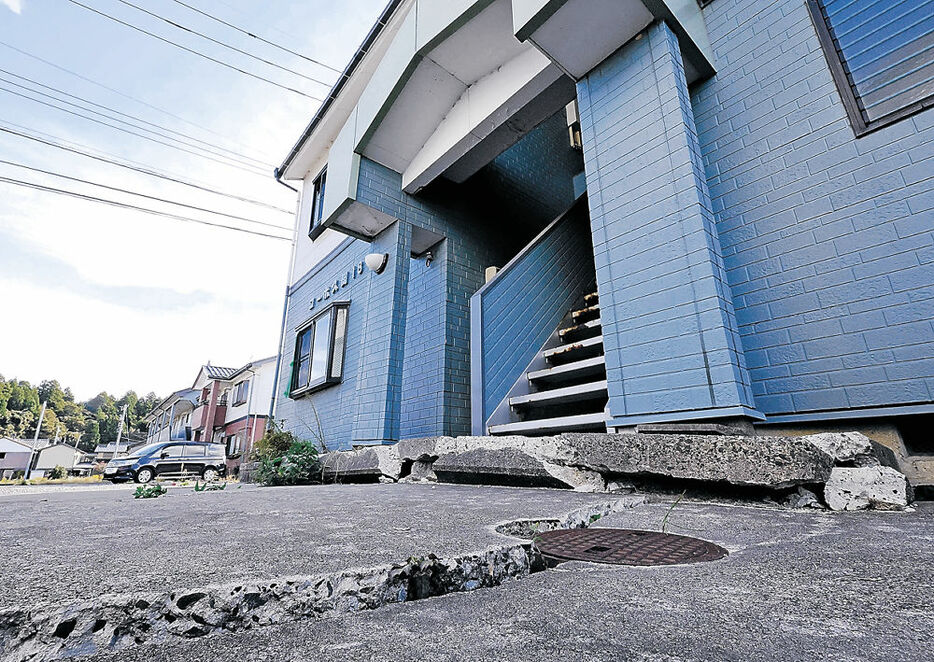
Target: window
<point>234,444</point>
<point>319,350</point>
<point>240,392</point>
<point>194,451</point>
<point>317,205</point>
<point>881,55</point>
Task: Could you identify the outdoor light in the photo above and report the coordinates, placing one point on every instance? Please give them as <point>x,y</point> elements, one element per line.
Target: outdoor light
<point>376,262</point>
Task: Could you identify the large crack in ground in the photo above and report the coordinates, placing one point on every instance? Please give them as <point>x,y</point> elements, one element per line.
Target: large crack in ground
<point>116,621</point>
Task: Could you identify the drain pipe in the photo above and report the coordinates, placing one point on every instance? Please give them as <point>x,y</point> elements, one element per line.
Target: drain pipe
<point>285,306</point>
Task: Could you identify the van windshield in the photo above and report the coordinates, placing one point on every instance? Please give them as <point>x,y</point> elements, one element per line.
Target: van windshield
<point>144,451</point>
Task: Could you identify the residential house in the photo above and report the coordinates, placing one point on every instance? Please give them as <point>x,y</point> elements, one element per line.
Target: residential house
<point>14,456</point>
<point>699,211</point>
<point>223,405</point>
<point>58,455</point>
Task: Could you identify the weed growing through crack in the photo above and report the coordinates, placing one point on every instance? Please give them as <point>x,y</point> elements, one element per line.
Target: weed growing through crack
<point>668,512</point>
<point>209,487</point>
<point>594,517</point>
<point>149,491</point>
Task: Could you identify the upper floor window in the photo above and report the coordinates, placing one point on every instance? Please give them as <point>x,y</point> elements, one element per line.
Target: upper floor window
<point>319,350</point>
<point>881,55</point>
<point>240,392</point>
<point>317,204</point>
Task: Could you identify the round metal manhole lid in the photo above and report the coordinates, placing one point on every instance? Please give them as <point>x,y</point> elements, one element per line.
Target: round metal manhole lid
<point>626,547</point>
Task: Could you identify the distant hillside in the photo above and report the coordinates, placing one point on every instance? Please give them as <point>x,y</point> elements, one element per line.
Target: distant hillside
<point>90,423</point>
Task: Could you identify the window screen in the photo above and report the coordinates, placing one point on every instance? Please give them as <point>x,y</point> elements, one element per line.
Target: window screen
<point>881,54</point>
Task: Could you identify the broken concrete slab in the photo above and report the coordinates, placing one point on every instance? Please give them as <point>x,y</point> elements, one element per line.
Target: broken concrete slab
<point>585,461</point>
<point>769,462</point>
<point>803,498</point>
<point>513,466</point>
<point>372,462</point>
<point>419,449</point>
<point>864,488</point>
<point>846,448</point>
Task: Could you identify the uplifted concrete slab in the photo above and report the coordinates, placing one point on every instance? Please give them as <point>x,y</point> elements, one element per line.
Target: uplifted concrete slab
<point>797,586</point>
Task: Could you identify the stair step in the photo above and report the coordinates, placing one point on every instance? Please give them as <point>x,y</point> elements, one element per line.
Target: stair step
<point>567,352</point>
<point>586,313</point>
<point>591,299</point>
<point>577,422</point>
<point>573,370</point>
<point>588,328</point>
<point>558,396</point>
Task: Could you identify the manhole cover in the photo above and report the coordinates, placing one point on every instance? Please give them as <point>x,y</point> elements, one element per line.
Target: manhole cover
<point>626,547</point>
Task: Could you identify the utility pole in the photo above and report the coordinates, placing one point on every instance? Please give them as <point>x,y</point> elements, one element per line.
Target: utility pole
<point>120,430</point>
<point>35,440</point>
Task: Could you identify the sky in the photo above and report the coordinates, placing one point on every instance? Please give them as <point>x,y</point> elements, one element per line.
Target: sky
<point>109,299</point>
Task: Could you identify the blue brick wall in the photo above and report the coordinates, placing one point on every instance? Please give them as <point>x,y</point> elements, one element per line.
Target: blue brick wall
<point>379,378</point>
<point>670,335</point>
<point>519,309</point>
<point>531,182</point>
<point>423,375</point>
<point>828,240</point>
<point>473,241</point>
<point>333,407</point>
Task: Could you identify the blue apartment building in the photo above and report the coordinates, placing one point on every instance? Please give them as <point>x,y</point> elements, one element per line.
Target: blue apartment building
<point>537,216</point>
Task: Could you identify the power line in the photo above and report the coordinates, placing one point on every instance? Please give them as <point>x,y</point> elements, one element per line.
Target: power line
<point>221,43</point>
<point>142,195</point>
<point>194,52</point>
<point>123,205</point>
<point>240,158</point>
<point>255,36</point>
<point>69,146</point>
<point>248,169</point>
<point>113,90</point>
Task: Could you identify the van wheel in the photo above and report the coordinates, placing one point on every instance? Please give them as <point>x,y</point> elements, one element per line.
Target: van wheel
<point>144,475</point>
<point>210,474</point>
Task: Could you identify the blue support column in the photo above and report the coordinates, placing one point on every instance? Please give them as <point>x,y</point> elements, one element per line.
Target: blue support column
<point>379,389</point>
<point>669,331</point>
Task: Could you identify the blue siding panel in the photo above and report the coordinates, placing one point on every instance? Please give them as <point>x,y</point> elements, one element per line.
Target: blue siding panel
<point>660,274</point>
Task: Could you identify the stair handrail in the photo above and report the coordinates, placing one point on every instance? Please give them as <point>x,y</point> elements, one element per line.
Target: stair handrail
<point>478,376</point>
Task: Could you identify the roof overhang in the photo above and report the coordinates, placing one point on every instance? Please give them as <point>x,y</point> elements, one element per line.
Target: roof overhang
<point>448,86</point>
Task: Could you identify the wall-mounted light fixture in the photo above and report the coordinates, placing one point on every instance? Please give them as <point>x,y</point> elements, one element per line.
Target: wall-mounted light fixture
<point>376,262</point>
<point>428,258</point>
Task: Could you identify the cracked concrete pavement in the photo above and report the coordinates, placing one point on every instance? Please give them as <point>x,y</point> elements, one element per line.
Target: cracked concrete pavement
<point>59,547</point>
<point>797,585</point>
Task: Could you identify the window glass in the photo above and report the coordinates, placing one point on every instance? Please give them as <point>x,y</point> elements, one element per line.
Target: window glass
<point>880,54</point>
<point>340,333</point>
<point>319,355</point>
<point>241,393</point>
<point>303,358</point>
<point>319,349</point>
<point>172,451</point>
<point>317,201</point>
<point>194,451</point>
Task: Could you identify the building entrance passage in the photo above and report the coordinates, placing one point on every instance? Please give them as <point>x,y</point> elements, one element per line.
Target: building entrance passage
<point>626,547</point>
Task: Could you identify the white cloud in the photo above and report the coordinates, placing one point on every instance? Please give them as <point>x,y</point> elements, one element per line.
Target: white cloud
<point>15,6</point>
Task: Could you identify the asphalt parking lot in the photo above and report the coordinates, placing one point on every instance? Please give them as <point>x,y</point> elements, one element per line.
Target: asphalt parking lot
<point>797,585</point>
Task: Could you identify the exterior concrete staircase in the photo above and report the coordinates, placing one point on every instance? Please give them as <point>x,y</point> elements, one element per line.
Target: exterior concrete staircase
<point>564,387</point>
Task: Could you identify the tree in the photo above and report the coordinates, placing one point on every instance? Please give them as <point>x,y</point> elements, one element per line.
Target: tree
<point>5,389</point>
<point>91,436</point>
<point>51,392</point>
<point>49,426</point>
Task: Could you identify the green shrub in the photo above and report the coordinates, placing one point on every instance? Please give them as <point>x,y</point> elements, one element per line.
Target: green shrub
<point>275,443</point>
<point>298,464</point>
<point>58,473</point>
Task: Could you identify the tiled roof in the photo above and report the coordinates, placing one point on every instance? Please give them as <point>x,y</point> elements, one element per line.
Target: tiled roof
<point>217,372</point>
